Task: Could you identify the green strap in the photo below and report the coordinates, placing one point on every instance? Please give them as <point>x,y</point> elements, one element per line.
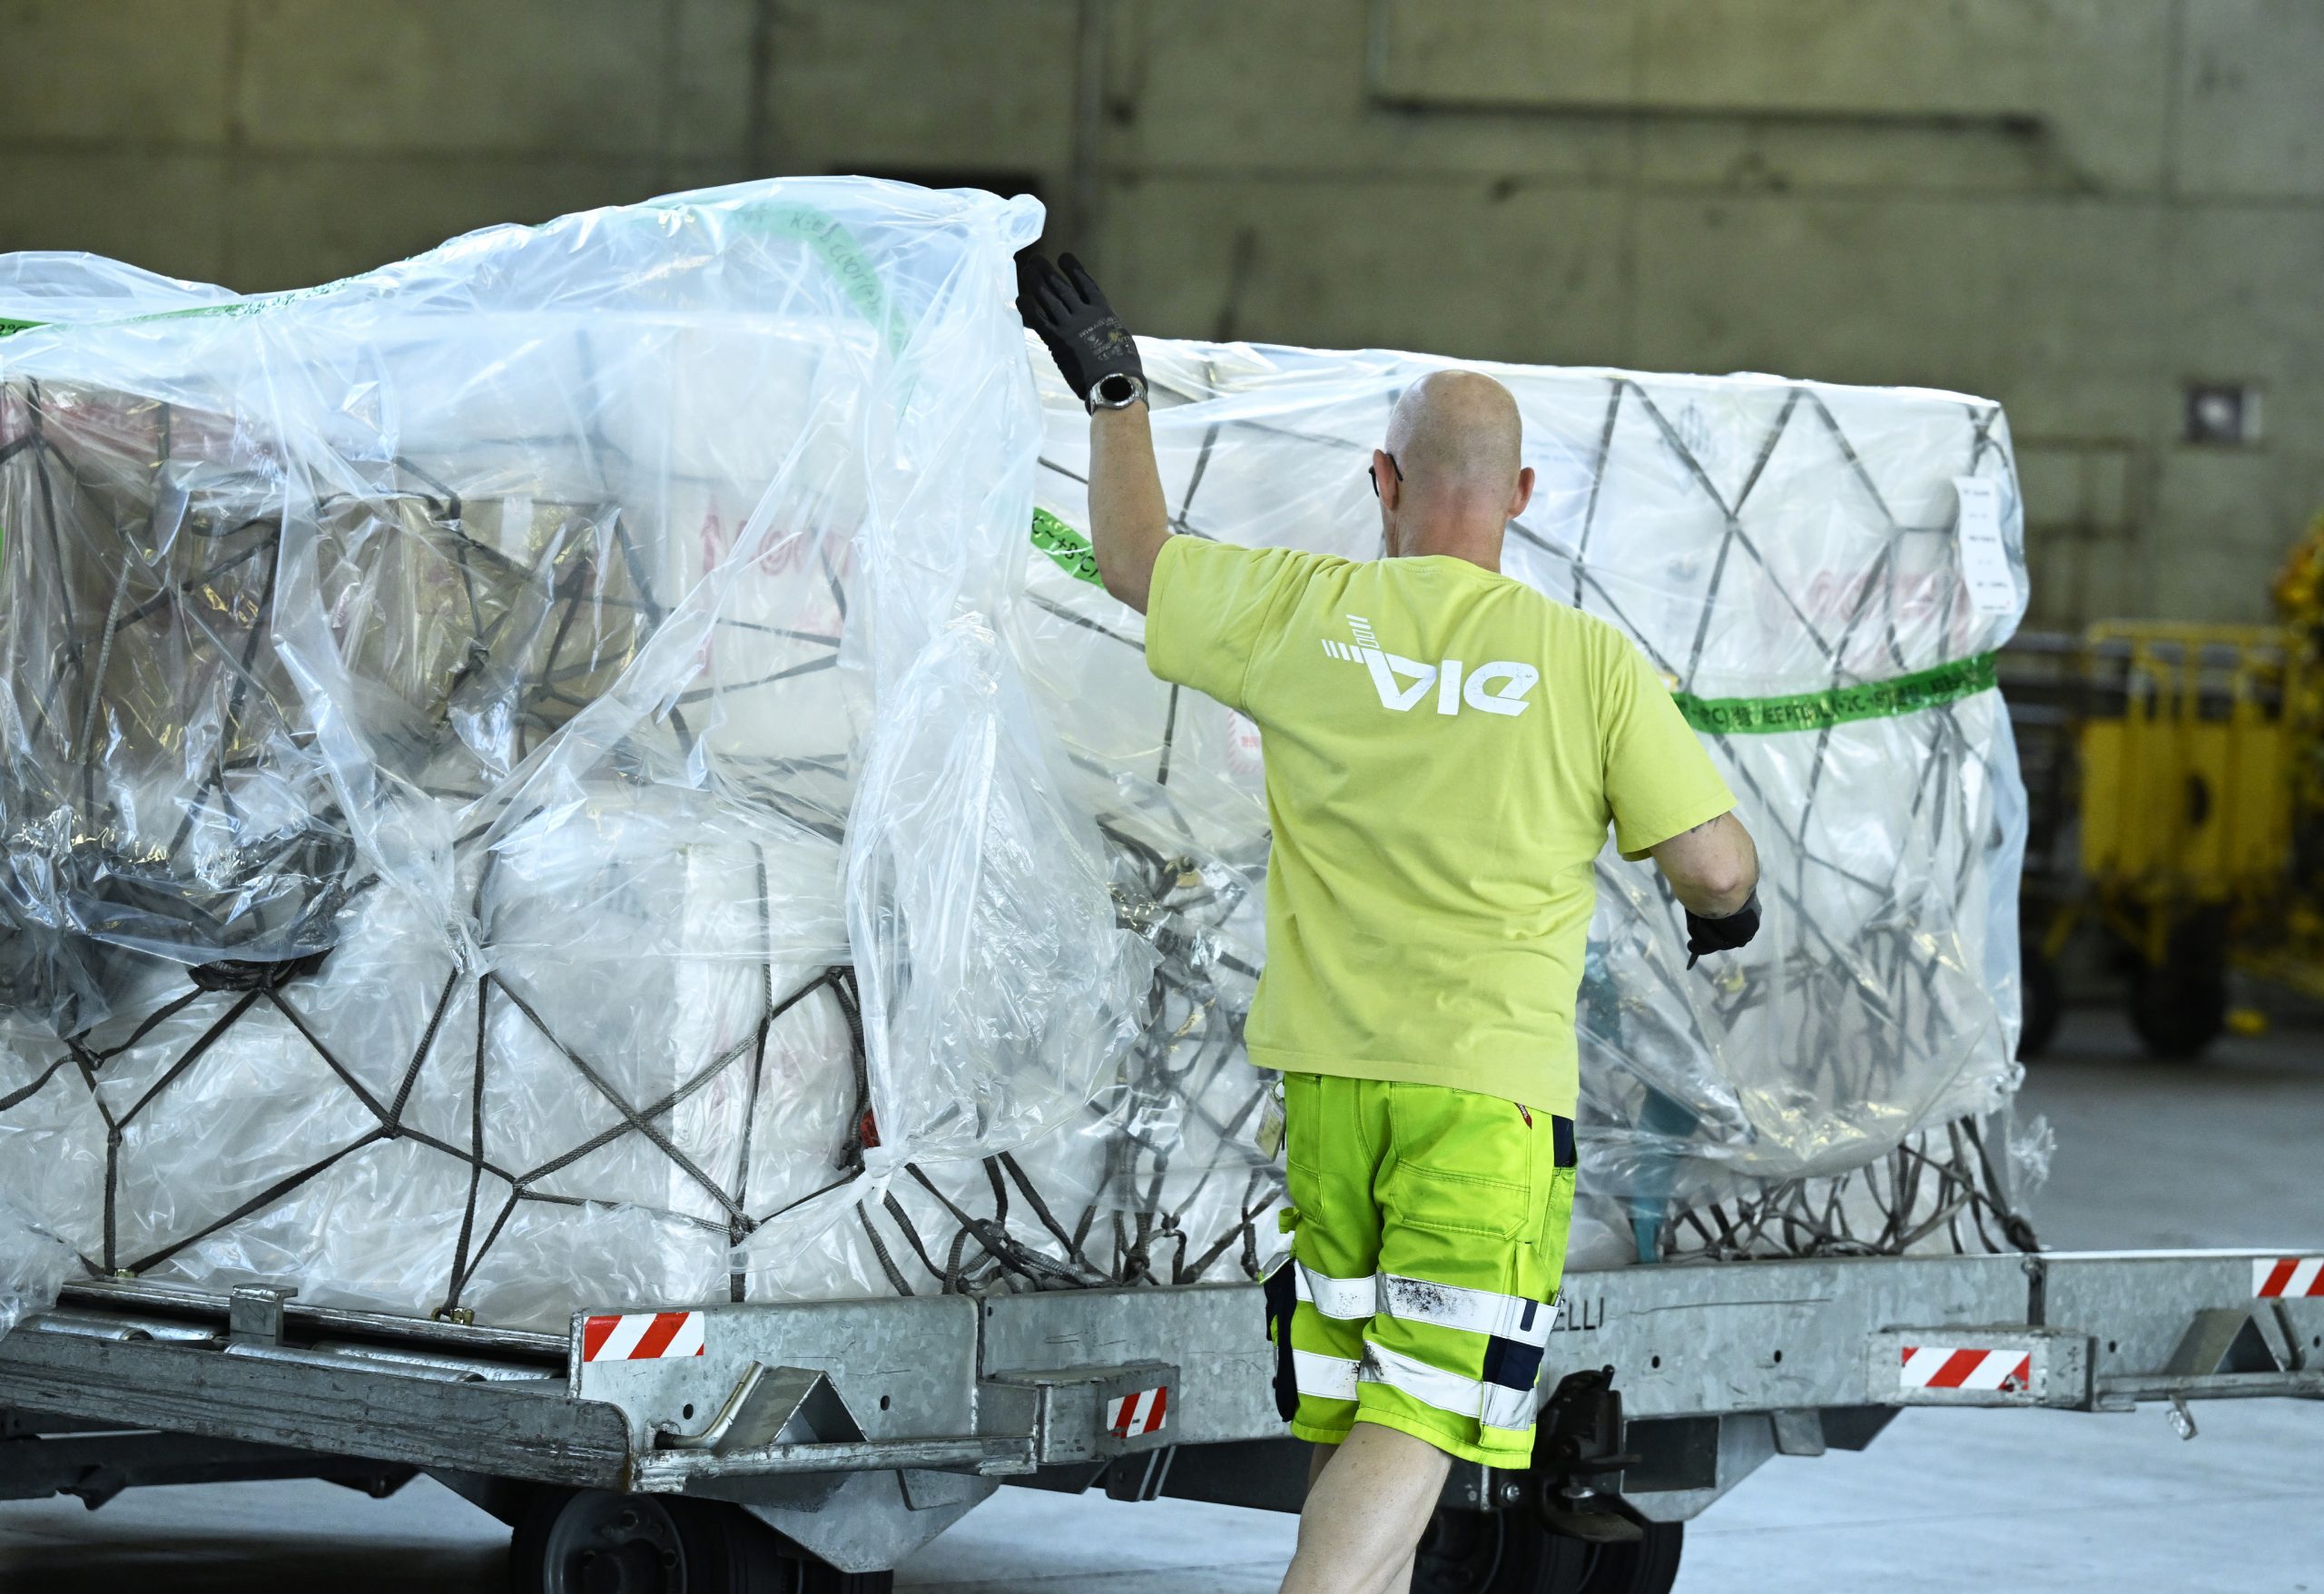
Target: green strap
<point>832,242</point>
<point>847,259</point>
<point>1838,705</point>
<point>1802,711</point>
<point>8,326</point>
<point>1068,547</point>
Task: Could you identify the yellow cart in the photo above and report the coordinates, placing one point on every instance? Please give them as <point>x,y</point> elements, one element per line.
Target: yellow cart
<point>2187,739</point>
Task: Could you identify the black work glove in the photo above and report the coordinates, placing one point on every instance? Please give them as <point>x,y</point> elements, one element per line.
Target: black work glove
<point>1723,934</point>
<point>1084,335</point>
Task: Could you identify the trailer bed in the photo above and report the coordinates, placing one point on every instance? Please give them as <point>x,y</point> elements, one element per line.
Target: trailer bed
<point>862,1429</point>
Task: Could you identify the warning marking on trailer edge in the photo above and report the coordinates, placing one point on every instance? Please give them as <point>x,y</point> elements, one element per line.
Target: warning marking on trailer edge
<point>642,1337</point>
<point>2288,1277</point>
<point>1964,1367</point>
<point>1130,1415</point>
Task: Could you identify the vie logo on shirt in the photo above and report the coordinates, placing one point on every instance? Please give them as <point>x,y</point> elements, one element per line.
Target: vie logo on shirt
<point>1498,688</point>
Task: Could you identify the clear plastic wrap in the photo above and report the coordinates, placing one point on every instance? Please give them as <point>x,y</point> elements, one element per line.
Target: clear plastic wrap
<point>34,1266</point>
<point>1786,553</point>
<point>985,931</point>
<point>551,775</point>
<point>435,704</point>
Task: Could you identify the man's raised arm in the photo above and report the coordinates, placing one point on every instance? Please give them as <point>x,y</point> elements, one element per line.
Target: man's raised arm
<point>1128,521</point>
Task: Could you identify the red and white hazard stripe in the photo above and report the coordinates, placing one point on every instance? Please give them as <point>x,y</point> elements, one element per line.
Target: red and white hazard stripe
<point>1133,1414</point>
<point>642,1337</point>
<point>1965,1367</point>
<point>2288,1276</point>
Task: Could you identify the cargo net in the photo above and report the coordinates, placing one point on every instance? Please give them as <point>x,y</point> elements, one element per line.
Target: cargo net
<point>1941,1191</point>
<point>933,1230</point>
<point>119,639</point>
<point>1859,1005</point>
<point>149,650</point>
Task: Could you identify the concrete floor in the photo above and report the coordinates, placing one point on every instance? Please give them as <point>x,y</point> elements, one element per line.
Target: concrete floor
<point>2149,1154</point>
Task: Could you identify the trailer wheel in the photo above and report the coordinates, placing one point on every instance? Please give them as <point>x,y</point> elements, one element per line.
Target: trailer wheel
<point>592,1541</point>
<point>1649,1566</point>
<point>1494,1553</point>
<point>2181,1007</point>
<point>2041,1001</point>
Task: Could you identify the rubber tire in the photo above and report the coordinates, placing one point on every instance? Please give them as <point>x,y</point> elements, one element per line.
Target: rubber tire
<point>2179,1009</point>
<point>731,1551</point>
<point>545,1519</point>
<point>2042,998</point>
<point>726,1551</point>
<point>1649,1566</point>
<point>729,1542</point>
<point>1495,1552</point>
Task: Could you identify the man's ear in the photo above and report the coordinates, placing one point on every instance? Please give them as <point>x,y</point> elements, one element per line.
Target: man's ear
<point>1524,493</point>
<point>1384,477</point>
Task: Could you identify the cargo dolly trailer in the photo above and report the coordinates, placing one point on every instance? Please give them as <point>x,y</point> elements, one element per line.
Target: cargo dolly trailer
<point>814,1446</point>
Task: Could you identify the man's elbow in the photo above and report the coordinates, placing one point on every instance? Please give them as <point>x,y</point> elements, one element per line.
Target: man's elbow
<point>1731,873</point>
<point>1126,573</point>
<point>1126,586</point>
<point>1726,885</point>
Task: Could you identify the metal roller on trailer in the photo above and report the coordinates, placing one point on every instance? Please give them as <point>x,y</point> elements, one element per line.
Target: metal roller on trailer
<point>815,1446</point>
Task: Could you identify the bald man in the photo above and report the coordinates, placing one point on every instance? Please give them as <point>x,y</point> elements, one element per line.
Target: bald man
<point>1445,749</point>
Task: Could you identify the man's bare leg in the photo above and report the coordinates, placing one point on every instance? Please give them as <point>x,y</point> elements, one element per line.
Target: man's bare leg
<point>1365,1511</point>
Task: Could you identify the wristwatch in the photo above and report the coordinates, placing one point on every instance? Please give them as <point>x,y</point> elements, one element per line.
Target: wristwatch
<point>1117,390</point>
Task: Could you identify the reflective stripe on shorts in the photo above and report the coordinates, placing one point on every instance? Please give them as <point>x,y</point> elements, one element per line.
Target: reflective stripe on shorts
<point>1335,1378</point>
<point>1324,1378</point>
<point>1417,1300</point>
<point>1493,1404</point>
<point>1508,1317</point>
<point>1351,1300</point>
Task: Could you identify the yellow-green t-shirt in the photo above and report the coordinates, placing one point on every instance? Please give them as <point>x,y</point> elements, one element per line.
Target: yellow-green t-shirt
<point>1444,749</point>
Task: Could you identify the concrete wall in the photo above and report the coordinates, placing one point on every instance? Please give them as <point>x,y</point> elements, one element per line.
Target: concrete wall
<point>2076,206</point>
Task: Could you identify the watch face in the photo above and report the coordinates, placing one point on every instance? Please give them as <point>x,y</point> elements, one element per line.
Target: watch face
<point>1117,389</point>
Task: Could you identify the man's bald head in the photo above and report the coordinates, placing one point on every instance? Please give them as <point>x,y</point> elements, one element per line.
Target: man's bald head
<point>1457,431</point>
<point>1457,446</point>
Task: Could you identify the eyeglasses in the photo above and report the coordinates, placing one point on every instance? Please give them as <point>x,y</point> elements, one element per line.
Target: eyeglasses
<point>1373,472</point>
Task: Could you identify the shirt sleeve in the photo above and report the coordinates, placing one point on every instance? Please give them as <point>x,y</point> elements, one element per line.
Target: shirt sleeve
<point>1659,780</point>
<point>1208,607</point>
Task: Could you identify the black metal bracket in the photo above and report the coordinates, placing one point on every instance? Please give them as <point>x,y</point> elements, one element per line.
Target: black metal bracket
<point>1578,1459</point>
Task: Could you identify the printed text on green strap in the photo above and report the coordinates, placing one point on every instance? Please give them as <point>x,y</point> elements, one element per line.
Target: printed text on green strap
<point>1838,705</point>
<point>1068,547</point>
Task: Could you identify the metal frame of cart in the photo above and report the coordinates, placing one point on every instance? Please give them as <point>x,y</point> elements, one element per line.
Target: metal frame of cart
<point>859,1430</point>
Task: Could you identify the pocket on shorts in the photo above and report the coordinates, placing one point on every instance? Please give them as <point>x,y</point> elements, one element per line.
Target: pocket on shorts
<point>1552,1232</point>
<point>1302,1135</point>
<point>1464,1163</point>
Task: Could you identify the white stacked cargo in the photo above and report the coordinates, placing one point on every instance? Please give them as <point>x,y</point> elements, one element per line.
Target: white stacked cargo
<point>434,704</point>
<point>549,775</point>
<point>1821,574</point>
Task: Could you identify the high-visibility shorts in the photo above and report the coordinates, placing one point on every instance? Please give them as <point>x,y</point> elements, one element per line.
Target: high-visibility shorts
<point>1428,1241</point>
